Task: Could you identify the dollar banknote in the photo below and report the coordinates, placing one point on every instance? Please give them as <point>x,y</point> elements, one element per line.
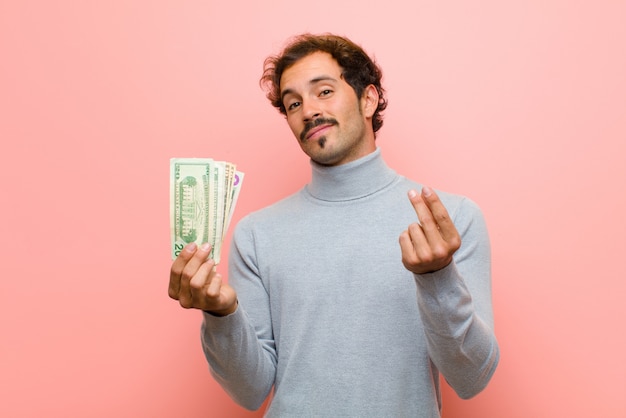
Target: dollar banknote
<point>203,195</point>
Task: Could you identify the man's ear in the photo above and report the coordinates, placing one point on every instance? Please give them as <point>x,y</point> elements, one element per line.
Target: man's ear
<point>369,101</point>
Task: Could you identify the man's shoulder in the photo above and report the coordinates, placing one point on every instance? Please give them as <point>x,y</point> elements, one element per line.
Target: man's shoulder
<point>274,211</point>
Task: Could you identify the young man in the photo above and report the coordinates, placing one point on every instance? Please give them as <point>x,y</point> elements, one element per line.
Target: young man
<point>350,297</point>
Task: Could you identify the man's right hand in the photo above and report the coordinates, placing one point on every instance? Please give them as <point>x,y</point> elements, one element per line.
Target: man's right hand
<point>194,283</point>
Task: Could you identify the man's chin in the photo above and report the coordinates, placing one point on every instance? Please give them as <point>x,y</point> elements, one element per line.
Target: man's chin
<point>316,147</point>
<point>325,157</point>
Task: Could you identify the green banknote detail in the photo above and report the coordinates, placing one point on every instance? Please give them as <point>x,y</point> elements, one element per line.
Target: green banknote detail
<point>203,194</point>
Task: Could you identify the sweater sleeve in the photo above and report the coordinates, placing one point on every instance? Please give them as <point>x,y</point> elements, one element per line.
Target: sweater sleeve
<point>241,354</point>
<point>456,310</point>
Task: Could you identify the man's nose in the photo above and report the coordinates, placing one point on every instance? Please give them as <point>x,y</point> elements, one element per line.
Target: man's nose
<point>310,110</point>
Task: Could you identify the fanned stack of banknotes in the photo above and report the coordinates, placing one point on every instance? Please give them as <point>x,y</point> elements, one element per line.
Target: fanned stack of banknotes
<point>203,195</point>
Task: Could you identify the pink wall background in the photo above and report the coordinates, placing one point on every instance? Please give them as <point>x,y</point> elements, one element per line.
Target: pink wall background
<point>520,105</point>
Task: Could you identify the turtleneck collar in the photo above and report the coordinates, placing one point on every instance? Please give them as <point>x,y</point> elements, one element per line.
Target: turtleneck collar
<point>350,181</point>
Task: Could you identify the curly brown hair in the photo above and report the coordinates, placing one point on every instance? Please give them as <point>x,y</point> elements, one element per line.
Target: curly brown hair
<point>359,70</point>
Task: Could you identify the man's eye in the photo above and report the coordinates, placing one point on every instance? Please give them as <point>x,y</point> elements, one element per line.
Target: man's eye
<point>325,92</point>
<point>293,105</point>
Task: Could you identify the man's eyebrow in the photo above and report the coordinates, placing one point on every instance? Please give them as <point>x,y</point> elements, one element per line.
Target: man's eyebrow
<point>322,78</point>
<point>311,82</point>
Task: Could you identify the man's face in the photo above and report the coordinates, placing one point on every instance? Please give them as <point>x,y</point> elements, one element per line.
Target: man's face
<point>332,125</point>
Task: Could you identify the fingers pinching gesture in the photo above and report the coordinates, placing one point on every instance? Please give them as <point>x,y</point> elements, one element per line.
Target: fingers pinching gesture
<point>195,283</point>
<point>428,245</point>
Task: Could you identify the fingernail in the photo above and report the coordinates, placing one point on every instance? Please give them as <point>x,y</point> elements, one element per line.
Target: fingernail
<point>427,191</point>
<point>191,247</point>
<point>412,193</point>
<point>206,246</point>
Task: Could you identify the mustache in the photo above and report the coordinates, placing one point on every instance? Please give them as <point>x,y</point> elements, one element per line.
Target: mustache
<point>314,124</point>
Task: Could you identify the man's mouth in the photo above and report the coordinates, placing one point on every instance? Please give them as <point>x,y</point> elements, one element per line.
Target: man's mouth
<point>317,131</point>
<point>316,128</point>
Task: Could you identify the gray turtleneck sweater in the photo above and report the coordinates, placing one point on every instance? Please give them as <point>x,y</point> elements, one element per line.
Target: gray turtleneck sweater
<point>332,321</point>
